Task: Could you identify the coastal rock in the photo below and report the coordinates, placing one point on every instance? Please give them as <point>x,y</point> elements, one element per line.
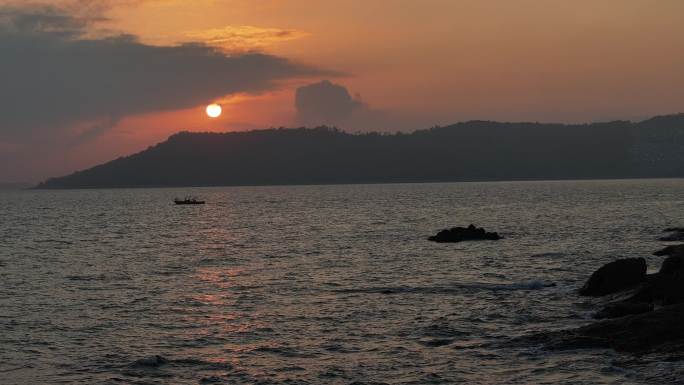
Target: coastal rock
<point>615,276</point>
<point>623,308</point>
<point>661,288</point>
<point>674,237</point>
<point>672,264</point>
<point>673,288</point>
<point>647,321</point>
<point>676,234</point>
<point>459,234</point>
<point>670,250</point>
<point>660,329</point>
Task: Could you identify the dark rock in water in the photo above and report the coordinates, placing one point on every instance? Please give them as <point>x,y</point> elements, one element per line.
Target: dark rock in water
<point>672,264</point>
<point>623,308</point>
<point>661,288</point>
<point>615,276</point>
<point>635,326</point>
<point>676,234</point>
<point>151,362</point>
<point>670,250</point>
<point>459,234</point>
<point>673,289</point>
<point>674,237</point>
<point>659,329</point>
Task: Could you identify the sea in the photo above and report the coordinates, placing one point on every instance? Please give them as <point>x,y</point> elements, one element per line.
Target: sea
<point>329,284</point>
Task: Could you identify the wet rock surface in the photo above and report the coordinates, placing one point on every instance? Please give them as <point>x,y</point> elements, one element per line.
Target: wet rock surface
<point>657,331</point>
<point>675,234</point>
<point>460,234</point>
<point>623,308</point>
<point>672,264</point>
<point>615,276</point>
<point>670,250</point>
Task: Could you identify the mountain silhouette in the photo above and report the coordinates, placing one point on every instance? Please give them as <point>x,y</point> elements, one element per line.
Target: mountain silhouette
<point>469,151</point>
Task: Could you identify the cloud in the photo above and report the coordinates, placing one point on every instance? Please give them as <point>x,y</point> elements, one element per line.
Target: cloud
<point>80,11</point>
<point>54,76</point>
<point>94,130</point>
<point>41,19</point>
<point>242,38</point>
<point>327,103</point>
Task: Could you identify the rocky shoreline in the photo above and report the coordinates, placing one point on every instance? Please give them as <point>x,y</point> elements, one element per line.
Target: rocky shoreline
<point>645,312</point>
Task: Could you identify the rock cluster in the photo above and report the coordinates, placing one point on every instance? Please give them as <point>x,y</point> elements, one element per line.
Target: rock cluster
<point>645,292</point>
<point>646,314</point>
<point>460,234</point>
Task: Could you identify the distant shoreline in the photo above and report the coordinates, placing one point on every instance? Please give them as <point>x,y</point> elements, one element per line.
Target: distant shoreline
<point>470,151</point>
<point>353,184</point>
<point>17,186</point>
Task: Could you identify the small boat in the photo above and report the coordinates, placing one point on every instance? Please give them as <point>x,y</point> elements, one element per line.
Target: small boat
<point>188,201</point>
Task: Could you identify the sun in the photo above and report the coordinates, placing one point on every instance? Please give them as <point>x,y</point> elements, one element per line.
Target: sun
<point>214,110</point>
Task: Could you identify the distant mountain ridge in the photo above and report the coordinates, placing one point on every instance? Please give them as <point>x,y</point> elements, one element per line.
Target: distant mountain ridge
<point>474,150</point>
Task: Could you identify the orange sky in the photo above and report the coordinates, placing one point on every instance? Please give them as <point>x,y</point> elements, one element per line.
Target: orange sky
<point>421,63</point>
<point>464,59</point>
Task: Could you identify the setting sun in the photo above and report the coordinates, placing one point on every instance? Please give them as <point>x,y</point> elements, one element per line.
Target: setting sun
<point>214,110</point>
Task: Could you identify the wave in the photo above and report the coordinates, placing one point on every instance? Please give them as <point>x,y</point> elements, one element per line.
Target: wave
<point>157,361</point>
<point>436,342</point>
<point>60,241</point>
<point>534,284</point>
<point>284,351</point>
<point>548,255</point>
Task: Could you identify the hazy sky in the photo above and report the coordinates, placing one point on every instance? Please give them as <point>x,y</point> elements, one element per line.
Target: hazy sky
<point>88,81</point>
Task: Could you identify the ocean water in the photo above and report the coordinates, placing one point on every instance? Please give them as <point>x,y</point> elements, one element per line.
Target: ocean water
<point>318,284</point>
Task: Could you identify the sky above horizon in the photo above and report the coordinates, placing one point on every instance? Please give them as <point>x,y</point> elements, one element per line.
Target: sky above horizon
<point>87,81</point>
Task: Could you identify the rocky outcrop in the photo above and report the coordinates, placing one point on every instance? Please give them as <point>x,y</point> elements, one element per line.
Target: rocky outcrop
<point>662,288</point>
<point>659,331</point>
<point>647,318</point>
<point>623,308</point>
<point>614,277</point>
<point>670,250</point>
<point>672,264</point>
<point>460,234</point>
<point>673,288</point>
<point>676,234</point>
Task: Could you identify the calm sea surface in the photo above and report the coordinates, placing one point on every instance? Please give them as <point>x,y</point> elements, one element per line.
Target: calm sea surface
<point>318,284</point>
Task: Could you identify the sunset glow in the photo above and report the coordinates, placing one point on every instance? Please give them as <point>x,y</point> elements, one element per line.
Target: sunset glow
<point>548,61</point>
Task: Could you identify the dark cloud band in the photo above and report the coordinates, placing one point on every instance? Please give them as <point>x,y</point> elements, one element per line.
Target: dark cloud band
<point>53,77</point>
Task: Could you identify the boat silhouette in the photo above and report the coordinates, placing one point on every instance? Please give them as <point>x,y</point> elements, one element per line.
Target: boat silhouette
<point>188,201</point>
